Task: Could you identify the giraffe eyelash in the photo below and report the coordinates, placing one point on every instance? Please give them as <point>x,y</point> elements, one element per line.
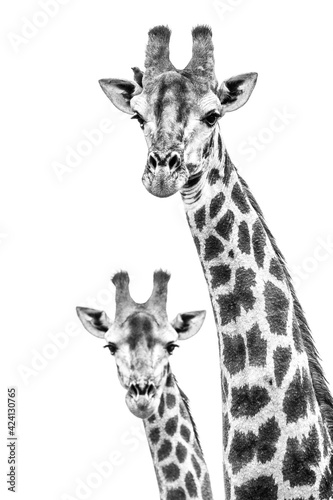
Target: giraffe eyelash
<point>171,347</point>
<point>112,348</point>
<point>211,118</point>
<point>139,118</point>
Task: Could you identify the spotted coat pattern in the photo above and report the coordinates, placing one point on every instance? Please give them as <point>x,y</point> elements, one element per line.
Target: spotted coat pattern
<point>178,460</point>
<point>276,442</point>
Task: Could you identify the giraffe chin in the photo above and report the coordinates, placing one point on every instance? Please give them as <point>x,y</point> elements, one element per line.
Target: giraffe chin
<point>164,185</point>
<point>142,407</point>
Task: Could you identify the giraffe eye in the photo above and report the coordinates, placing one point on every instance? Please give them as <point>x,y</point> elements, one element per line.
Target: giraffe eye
<point>171,347</point>
<point>211,118</point>
<point>112,348</point>
<point>138,117</point>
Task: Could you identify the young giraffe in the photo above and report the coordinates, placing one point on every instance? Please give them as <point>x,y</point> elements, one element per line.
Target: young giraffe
<point>141,339</point>
<point>277,409</point>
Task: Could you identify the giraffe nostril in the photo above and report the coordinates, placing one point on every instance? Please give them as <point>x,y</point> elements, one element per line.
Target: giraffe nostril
<point>152,162</point>
<point>133,391</point>
<point>136,390</point>
<point>174,161</point>
<point>151,391</point>
<point>171,160</point>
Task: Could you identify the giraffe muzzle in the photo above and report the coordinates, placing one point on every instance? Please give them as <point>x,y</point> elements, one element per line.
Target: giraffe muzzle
<point>164,174</point>
<point>140,399</point>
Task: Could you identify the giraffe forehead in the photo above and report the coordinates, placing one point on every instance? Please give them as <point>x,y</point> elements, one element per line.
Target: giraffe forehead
<point>167,91</point>
<point>143,330</point>
<point>176,93</point>
<point>140,330</point>
<point>172,81</point>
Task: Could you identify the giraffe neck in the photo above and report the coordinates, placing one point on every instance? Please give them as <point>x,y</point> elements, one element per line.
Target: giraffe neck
<point>179,464</point>
<point>276,427</point>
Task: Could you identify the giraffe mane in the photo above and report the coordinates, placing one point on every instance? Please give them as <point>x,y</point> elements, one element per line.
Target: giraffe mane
<point>187,406</point>
<point>319,381</point>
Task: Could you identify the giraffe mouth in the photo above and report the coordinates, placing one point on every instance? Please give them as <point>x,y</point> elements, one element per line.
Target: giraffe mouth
<point>142,402</point>
<point>142,407</point>
<point>163,182</point>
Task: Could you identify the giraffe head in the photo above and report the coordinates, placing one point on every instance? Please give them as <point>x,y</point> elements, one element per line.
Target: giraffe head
<point>141,339</point>
<point>178,110</point>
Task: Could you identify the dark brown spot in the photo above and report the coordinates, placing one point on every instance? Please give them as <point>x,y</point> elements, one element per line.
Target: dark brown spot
<point>269,434</point>
<point>242,296</point>
<point>225,389</point>
<point>300,458</point>
<point>171,472</point>
<point>234,353</point>
<point>170,381</point>
<point>213,176</point>
<point>295,400</point>
<point>213,248</point>
<point>275,269</point>
<point>176,494</point>
<point>256,346</point>
<point>200,218</point>
<point>244,240</point>
<point>206,490</point>
<point>164,450</point>
<point>171,425</point>
<point>170,401</point>
<point>282,359</point>
<point>196,466</point>
<point>276,307</point>
<point>161,407</point>
<point>242,450</point>
<point>239,199</point>
<point>216,205</point>
<point>261,488</point>
<point>219,144</point>
<point>154,435</point>
<point>227,169</point>
<point>220,275</point>
<point>226,429</point>
<point>185,433</point>
<point>248,401</point>
<point>297,336</point>
<point>225,225</point>
<point>259,243</point>
<point>190,485</point>
<point>181,453</point>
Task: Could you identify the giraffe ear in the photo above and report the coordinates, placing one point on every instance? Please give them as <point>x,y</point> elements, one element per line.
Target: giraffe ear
<point>120,92</point>
<point>235,92</point>
<point>188,324</point>
<point>95,322</point>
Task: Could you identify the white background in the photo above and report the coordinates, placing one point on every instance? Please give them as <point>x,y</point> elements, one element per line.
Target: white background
<point>62,238</point>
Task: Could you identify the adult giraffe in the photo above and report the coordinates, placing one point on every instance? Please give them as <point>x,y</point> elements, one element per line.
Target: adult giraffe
<point>277,408</point>
<point>141,339</point>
